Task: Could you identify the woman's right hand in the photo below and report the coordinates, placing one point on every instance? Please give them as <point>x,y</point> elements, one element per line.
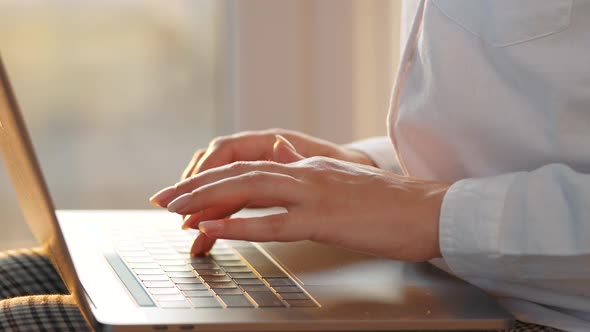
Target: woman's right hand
<point>276,145</point>
<point>262,145</point>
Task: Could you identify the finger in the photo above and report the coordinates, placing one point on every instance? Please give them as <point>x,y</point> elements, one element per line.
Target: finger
<point>259,188</point>
<point>167,195</point>
<point>163,197</point>
<point>283,227</point>
<point>246,146</point>
<point>188,171</point>
<point>202,244</point>
<point>284,152</point>
<point>213,213</point>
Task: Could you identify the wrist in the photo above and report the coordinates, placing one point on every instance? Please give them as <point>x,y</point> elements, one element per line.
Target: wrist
<point>435,196</point>
<point>359,157</point>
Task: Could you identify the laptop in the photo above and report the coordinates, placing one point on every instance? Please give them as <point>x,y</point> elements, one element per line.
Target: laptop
<point>130,270</point>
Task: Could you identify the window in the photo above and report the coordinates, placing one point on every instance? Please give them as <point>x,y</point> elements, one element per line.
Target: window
<point>117,95</point>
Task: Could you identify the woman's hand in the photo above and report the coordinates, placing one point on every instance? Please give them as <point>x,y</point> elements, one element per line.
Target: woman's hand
<point>327,200</point>
<point>258,145</point>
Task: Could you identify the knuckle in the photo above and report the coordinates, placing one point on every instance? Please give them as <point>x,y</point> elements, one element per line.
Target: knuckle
<point>219,142</point>
<point>255,176</point>
<point>188,183</point>
<point>277,131</point>
<point>238,166</point>
<point>317,162</point>
<point>198,154</point>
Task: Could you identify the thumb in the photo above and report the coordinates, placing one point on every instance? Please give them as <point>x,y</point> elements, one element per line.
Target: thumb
<point>284,152</point>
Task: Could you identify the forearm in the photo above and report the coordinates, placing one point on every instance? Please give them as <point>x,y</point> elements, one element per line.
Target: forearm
<point>524,235</point>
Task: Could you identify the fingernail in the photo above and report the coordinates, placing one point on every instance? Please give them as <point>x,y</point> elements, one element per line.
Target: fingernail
<point>185,226</point>
<point>184,219</point>
<point>210,227</point>
<point>162,196</point>
<point>188,223</point>
<point>179,203</point>
<point>284,140</point>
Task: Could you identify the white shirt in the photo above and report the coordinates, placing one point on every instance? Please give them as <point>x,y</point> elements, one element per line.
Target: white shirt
<point>494,95</point>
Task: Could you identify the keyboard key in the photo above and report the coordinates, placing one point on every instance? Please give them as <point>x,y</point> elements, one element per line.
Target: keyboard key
<point>200,260</point>
<point>237,269</point>
<point>144,265</point>
<point>181,274</point>
<point>287,289</point>
<point>220,248</point>
<point>227,291</point>
<point>171,262</point>
<point>183,250</point>
<point>176,268</point>
<point>236,244</point>
<point>280,281</point>
<point>205,266</point>
<point>216,278</point>
<point>135,259</point>
<point>162,251</point>
<point>174,304</point>
<point>231,263</point>
<point>301,303</point>
<point>194,280</point>
<point>150,238</point>
<point>123,243</point>
<point>179,244</point>
<point>236,301</point>
<point>152,277</point>
<point>197,293</point>
<point>242,275</point>
<point>266,299</point>
<point>189,287</point>
<point>168,297</point>
<point>134,253</point>
<point>221,244</point>
<point>222,258</point>
<point>167,291</point>
<point>294,296</point>
<point>227,284</point>
<point>158,284</point>
<point>249,281</point>
<point>204,302</point>
<point>210,272</point>
<point>255,288</point>
<point>173,256</point>
<point>148,271</point>
<point>221,251</point>
<point>152,242</point>
<point>264,266</point>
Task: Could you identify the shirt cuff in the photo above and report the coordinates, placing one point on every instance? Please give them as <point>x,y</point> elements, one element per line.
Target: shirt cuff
<point>380,150</point>
<point>470,223</point>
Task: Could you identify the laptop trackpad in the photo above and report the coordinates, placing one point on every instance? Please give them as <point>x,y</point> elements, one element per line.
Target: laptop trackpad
<point>322,265</point>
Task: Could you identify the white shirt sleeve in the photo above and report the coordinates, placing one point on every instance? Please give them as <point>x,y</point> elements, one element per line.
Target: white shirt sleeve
<point>523,235</point>
<point>380,151</point>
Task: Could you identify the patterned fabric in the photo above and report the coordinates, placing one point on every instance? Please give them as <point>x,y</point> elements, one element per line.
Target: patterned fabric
<point>528,327</point>
<point>41,313</point>
<point>33,297</point>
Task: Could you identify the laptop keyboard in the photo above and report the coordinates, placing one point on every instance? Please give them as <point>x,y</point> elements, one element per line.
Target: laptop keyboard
<point>234,275</point>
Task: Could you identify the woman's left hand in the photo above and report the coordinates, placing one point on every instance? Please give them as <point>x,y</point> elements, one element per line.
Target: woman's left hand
<point>358,207</point>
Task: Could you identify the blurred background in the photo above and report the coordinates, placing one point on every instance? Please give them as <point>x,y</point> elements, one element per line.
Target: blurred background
<point>117,95</point>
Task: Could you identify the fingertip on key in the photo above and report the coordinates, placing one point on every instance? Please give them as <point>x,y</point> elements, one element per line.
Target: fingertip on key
<point>179,203</point>
<point>162,197</point>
